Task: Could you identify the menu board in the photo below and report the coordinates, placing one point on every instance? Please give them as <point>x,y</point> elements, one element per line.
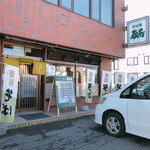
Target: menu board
<point>65,91</point>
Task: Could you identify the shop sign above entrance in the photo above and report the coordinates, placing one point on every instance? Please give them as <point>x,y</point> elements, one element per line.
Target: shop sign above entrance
<point>138,31</point>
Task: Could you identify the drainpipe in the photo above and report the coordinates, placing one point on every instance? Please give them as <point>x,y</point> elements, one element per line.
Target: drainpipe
<point>44,80</point>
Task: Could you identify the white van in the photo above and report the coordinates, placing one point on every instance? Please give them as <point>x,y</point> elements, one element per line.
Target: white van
<point>127,110</point>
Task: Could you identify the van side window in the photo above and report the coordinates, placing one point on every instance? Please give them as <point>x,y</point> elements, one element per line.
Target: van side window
<point>138,90</point>
<point>125,93</point>
<point>142,90</point>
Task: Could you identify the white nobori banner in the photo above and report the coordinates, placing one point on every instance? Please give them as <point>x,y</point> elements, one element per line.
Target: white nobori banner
<point>106,82</point>
<point>132,77</point>
<point>119,80</point>
<point>9,93</point>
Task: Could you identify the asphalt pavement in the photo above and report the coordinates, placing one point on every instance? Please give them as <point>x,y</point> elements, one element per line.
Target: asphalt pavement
<point>71,134</point>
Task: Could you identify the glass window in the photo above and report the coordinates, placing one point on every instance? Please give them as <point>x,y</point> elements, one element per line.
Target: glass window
<point>125,93</point>
<point>135,61</point>
<point>146,59</point>
<point>60,70</point>
<point>106,12</point>
<point>53,1</point>
<point>139,90</point>
<point>142,90</point>
<point>63,70</point>
<point>116,64</point>
<point>100,10</point>
<point>21,51</point>
<point>33,52</point>
<point>13,50</point>
<point>95,9</point>
<point>132,61</point>
<point>66,3</point>
<point>81,7</point>
<point>80,76</point>
<point>81,81</point>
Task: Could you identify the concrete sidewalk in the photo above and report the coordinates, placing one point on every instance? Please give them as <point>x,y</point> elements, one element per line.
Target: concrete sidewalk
<point>64,114</point>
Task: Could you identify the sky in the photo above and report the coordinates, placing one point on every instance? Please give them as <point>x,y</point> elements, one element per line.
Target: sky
<point>137,9</point>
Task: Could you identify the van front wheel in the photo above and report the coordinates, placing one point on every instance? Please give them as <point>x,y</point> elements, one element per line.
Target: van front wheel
<point>114,124</point>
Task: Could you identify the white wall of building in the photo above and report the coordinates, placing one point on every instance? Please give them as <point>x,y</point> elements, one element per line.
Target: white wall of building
<point>136,9</point>
<point>140,68</point>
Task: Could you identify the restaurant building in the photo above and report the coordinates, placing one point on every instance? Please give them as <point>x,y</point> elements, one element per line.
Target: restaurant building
<point>69,36</point>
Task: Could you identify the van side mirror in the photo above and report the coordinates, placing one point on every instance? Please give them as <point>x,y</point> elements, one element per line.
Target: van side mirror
<point>134,91</point>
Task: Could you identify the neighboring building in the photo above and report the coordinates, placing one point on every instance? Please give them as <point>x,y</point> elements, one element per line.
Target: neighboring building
<point>71,36</point>
<point>136,62</point>
<point>137,58</point>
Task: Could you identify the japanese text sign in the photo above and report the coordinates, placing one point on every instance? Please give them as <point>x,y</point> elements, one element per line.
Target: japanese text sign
<point>119,80</point>
<point>65,92</point>
<point>9,94</point>
<point>131,77</point>
<point>138,31</point>
<point>90,84</point>
<point>106,82</point>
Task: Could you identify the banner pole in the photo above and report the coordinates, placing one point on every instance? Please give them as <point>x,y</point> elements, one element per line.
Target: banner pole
<point>58,112</point>
<point>76,109</point>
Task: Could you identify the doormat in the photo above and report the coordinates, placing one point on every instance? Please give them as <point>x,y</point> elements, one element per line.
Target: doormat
<point>34,116</point>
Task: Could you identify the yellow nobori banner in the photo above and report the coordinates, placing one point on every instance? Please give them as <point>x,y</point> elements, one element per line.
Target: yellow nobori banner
<point>39,68</point>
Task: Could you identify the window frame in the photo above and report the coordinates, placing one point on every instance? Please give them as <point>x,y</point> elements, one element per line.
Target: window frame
<point>127,97</point>
<point>52,3</point>
<point>90,11</point>
<point>116,67</point>
<point>25,47</point>
<point>89,15</point>
<point>134,86</point>
<point>79,65</point>
<point>62,6</point>
<point>112,15</point>
<point>148,60</point>
<point>133,64</point>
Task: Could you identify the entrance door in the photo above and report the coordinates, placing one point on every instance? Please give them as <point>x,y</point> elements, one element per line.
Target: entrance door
<point>28,90</point>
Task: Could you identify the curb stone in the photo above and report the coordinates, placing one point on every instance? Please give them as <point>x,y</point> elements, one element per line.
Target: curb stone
<point>2,130</point>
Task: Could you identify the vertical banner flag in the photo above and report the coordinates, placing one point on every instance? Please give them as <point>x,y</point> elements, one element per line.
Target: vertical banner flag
<point>131,77</point>
<point>106,81</point>
<point>119,80</point>
<point>9,93</point>
<point>90,84</point>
